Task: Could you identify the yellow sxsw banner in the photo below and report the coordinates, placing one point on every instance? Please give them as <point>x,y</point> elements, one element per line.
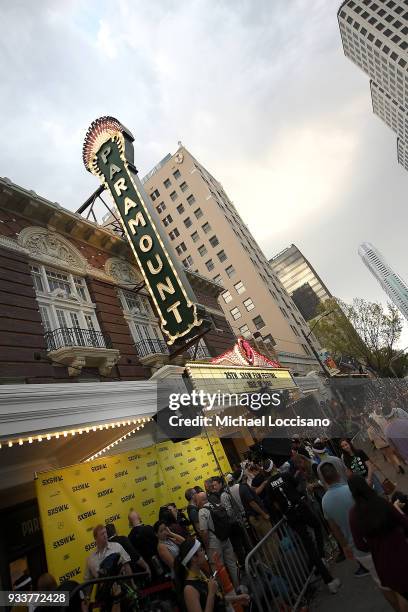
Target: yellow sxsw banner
<point>73,500</point>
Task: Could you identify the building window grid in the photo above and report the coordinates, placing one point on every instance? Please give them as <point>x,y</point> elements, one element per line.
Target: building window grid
<point>174,234</point>
<point>230,271</point>
<point>258,322</point>
<point>249,305</point>
<point>240,287</point>
<point>235,313</point>
<point>167,220</point>
<point>187,262</point>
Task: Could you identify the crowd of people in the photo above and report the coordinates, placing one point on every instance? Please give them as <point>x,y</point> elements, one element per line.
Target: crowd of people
<point>322,486</point>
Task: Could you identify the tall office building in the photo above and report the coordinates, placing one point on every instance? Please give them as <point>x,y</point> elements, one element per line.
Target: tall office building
<point>392,284</point>
<point>300,280</point>
<point>375,37</point>
<point>210,237</point>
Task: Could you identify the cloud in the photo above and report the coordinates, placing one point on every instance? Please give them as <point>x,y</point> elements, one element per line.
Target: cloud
<point>260,93</point>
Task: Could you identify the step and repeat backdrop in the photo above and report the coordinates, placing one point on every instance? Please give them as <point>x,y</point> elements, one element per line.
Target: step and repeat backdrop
<point>73,500</point>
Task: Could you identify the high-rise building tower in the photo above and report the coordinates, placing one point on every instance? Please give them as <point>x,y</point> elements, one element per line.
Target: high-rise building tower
<point>392,284</point>
<point>300,280</point>
<point>210,238</point>
<point>375,37</point>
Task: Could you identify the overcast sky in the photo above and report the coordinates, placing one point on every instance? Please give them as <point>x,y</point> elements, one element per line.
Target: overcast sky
<point>259,91</point>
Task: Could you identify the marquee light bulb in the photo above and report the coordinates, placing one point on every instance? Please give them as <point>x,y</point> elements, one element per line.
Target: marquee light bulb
<point>40,438</point>
<point>57,436</point>
<point>10,444</point>
<point>80,431</point>
<point>72,433</point>
<point>20,442</point>
<point>65,434</point>
<point>30,440</point>
<point>48,437</point>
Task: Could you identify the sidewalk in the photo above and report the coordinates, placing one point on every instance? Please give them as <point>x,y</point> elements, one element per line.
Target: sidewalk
<point>355,594</point>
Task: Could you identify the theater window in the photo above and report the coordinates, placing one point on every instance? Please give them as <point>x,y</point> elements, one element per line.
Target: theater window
<point>142,322</point>
<point>66,309</point>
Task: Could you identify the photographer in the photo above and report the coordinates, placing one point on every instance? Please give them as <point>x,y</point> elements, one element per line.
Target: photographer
<point>109,559</point>
<point>103,549</point>
<point>237,533</point>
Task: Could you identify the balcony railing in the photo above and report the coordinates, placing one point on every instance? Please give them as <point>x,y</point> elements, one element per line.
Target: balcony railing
<point>151,346</point>
<point>74,336</point>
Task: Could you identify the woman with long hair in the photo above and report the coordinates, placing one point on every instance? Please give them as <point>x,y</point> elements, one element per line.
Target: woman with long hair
<point>357,462</point>
<point>168,516</point>
<point>378,527</point>
<point>197,592</point>
<point>168,544</point>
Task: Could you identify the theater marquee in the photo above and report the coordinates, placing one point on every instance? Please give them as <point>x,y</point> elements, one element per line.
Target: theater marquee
<point>235,379</point>
<point>108,154</point>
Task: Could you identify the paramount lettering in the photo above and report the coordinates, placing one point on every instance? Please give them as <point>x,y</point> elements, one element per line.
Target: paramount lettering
<point>168,287</point>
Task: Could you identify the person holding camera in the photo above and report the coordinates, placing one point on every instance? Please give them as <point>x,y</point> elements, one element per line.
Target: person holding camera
<point>104,548</point>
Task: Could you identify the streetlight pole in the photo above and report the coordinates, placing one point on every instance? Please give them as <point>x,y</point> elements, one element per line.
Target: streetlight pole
<point>315,353</point>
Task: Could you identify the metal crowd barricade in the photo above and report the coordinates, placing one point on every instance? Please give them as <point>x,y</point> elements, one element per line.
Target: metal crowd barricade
<point>278,570</point>
<point>155,597</point>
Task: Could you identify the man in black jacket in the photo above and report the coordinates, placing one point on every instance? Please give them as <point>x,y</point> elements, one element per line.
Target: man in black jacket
<point>137,563</point>
<point>283,495</point>
<point>142,537</point>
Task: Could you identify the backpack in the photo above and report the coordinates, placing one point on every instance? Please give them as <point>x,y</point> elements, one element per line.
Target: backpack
<point>221,521</point>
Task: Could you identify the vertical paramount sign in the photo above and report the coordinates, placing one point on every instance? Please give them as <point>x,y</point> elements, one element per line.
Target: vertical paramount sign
<point>108,153</point>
